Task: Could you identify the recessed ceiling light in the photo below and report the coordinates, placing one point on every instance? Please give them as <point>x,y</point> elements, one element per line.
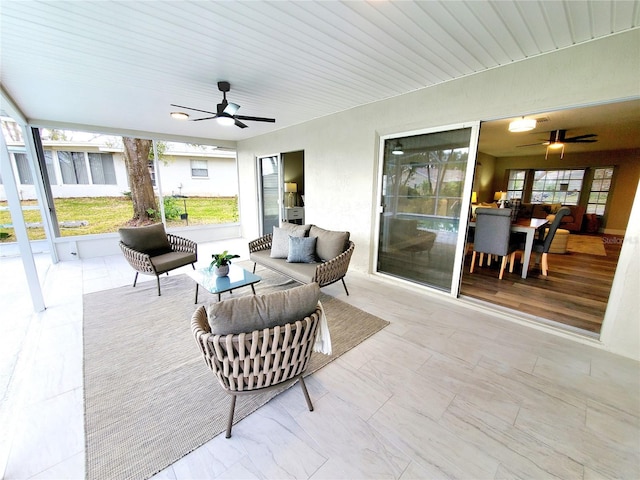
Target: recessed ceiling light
<point>179,115</point>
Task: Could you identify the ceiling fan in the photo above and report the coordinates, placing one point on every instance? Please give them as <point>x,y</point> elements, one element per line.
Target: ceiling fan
<point>558,137</point>
<point>225,112</point>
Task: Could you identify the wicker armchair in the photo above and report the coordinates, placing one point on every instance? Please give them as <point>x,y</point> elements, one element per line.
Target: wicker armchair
<point>151,251</point>
<point>249,363</point>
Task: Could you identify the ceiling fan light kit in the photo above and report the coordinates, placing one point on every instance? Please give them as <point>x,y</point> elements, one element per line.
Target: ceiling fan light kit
<point>397,149</point>
<point>225,120</point>
<point>225,113</point>
<point>522,125</point>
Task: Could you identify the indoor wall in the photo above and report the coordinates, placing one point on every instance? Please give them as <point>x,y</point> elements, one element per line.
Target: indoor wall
<point>342,158</point>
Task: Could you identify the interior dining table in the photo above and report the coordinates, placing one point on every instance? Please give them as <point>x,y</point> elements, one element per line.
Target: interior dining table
<point>530,227</point>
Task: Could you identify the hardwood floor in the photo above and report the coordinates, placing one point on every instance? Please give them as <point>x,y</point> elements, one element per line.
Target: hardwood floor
<point>575,291</point>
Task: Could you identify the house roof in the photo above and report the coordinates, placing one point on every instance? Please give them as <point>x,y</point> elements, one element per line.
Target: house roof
<point>120,65</point>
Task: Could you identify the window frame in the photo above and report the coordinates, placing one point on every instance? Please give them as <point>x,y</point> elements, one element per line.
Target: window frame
<point>594,180</point>
<point>195,168</point>
<point>558,182</point>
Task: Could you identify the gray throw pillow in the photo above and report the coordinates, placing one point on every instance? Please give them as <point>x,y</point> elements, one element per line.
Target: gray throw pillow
<point>151,239</point>
<point>280,241</point>
<point>257,312</point>
<point>302,249</point>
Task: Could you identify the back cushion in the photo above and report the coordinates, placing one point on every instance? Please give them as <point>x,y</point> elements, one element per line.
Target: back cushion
<point>294,227</point>
<point>256,312</point>
<point>151,239</point>
<point>280,241</point>
<point>330,244</point>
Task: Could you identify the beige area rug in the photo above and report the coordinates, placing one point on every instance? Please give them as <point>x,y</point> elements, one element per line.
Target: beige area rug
<point>589,244</point>
<point>149,397</point>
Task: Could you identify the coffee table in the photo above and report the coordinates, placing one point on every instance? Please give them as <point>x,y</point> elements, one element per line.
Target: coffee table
<point>238,277</point>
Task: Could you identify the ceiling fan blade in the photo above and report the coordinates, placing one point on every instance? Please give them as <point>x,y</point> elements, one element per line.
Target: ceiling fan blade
<point>581,138</point>
<point>240,124</point>
<point>205,118</point>
<point>256,119</point>
<point>533,144</point>
<point>194,109</point>
<point>231,108</point>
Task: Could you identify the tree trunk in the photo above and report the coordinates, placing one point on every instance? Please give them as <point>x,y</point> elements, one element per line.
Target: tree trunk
<point>136,157</point>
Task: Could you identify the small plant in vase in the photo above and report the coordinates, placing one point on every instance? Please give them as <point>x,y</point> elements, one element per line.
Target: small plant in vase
<point>220,263</point>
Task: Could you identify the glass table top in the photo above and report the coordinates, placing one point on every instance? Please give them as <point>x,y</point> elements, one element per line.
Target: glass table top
<point>238,277</point>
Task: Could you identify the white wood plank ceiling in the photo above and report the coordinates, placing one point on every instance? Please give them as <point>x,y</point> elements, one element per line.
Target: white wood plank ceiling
<point>121,64</point>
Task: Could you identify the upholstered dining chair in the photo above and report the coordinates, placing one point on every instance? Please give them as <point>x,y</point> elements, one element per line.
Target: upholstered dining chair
<point>541,246</point>
<point>493,236</point>
<point>151,251</point>
<point>258,343</point>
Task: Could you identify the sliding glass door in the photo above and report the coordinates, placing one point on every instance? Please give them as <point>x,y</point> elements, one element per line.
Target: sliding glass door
<point>425,191</point>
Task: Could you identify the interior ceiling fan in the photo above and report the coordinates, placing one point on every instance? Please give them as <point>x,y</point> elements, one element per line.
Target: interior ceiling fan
<point>225,112</point>
<point>558,137</point>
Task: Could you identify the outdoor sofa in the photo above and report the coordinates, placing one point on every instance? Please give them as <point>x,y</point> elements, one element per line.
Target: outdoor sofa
<point>304,253</point>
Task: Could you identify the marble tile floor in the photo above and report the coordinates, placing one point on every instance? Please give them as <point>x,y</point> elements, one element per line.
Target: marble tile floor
<point>443,392</point>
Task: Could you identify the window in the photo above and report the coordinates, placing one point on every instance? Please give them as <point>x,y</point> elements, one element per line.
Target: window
<point>199,168</point>
<point>102,171</point>
<point>24,172</point>
<point>152,172</point>
<point>515,187</point>
<point>599,193</point>
<point>73,168</point>
<point>557,186</point>
<point>51,171</point>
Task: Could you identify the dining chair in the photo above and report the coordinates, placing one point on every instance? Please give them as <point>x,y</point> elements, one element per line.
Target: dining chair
<point>493,236</point>
<point>541,245</point>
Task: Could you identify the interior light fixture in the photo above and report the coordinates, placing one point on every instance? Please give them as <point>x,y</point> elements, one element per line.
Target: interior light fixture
<point>225,120</point>
<point>522,125</point>
<point>179,116</point>
<point>397,148</point>
<point>555,144</point>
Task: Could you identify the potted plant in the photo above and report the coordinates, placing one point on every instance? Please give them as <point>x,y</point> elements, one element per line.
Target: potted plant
<point>220,263</point>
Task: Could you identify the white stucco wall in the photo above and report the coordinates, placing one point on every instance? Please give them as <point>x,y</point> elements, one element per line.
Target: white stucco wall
<point>341,157</point>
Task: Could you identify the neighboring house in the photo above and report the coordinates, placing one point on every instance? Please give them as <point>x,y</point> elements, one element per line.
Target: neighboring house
<point>77,169</point>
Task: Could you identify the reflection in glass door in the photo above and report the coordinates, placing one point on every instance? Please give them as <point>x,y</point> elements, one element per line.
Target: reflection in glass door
<point>270,181</point>
<point>425,188</point>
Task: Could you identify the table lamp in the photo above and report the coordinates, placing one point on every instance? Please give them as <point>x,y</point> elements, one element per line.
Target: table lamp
<point>290,188</point>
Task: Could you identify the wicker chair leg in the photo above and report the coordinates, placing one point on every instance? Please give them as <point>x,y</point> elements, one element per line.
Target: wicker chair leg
<point>254,267</point>
<point>158,278</point>
<point>306,394</point>
<point>135,279</point>
<point>230,422</point>
<point>345,286</point>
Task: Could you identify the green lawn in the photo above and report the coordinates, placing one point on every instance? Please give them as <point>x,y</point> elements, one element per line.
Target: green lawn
<point>107,214</point>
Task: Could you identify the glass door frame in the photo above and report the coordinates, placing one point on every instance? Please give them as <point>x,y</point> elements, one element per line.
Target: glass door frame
<point>466,201</point>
